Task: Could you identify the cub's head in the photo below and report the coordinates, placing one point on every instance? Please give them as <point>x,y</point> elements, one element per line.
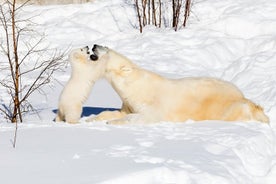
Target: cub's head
<point>80,55</point>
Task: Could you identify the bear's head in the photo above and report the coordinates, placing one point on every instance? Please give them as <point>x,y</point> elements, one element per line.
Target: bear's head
<point>113,62</point>
<point>99,52</point>
<point>80,56</point>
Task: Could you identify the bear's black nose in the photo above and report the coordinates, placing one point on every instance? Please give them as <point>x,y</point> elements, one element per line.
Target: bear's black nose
<point>93,57</point>
<point>94,47</point>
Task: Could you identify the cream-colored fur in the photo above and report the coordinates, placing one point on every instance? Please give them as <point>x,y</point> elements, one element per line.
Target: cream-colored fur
<point>148,97</point>
<point>84,73</point>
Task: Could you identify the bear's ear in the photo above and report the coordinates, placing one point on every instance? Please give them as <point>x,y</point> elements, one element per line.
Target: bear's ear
<point>125,70</point>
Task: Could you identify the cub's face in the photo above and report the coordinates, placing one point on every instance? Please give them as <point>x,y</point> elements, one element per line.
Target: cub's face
<point>80,55</point>
<point>84,67</point>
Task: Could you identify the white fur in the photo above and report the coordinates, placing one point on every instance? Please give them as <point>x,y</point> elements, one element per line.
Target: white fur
<point>148,97</point>
<point>84,73</point>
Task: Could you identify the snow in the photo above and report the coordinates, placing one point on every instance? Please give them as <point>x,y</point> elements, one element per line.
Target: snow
<point>234,40</point>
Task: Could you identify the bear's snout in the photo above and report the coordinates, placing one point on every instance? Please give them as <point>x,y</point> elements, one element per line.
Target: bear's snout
<point>94,47</point>
<point>94,57</point>
<point>98,47</point>
<point>98,51</point>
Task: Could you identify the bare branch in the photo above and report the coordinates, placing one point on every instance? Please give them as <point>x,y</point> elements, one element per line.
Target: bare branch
<point>40,72</point>
<point>22,5</point>
<point>31,50</point>
<point>139,16</point>
<point>40,81</point>
<point>187,12</point>
<point>151,12</point>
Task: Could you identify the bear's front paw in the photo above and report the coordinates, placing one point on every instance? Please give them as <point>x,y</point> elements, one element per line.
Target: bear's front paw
<point>117,122</point>
<point>94,119</point>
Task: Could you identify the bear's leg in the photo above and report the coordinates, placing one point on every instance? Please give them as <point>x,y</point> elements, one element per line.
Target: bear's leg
<point>245,110</point>
<point>107,115</point>
<point>133,119</point>
<point>74,114</point>
<point>60,116</point>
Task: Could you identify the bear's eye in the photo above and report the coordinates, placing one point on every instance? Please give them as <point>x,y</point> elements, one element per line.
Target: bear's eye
<point>81,49</point>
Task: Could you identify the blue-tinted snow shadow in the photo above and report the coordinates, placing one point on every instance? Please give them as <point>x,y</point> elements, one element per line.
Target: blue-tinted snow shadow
<point>87,111</point>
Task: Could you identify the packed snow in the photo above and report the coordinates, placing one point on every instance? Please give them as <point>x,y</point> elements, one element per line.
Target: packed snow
<point>234,40</point>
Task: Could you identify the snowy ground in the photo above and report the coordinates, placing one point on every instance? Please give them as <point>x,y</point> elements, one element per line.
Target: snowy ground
<point>234,40</point>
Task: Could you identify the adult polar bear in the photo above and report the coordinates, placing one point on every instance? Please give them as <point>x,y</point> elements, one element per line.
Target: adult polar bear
<point>78,87</point>
<point>148,97</point>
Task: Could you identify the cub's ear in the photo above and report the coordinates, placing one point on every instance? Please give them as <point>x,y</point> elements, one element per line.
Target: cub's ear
<point>76,55</point>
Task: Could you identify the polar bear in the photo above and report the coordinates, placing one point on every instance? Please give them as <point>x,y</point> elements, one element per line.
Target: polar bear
<point>84,73</point>
<point>148,97</point>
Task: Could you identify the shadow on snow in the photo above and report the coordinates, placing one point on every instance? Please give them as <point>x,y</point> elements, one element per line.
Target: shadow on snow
<point>87,111</point>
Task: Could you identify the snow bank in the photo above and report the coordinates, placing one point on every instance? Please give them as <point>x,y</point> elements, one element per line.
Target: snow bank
<point>205,152</point>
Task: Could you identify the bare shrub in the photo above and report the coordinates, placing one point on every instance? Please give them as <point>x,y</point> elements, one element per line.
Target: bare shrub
<point>47,2</point>
<point>27,61</point>
<point>152,12</point>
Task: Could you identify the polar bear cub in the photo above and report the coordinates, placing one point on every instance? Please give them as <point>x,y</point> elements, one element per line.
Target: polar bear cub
<point>148,97</point>
<point>84,73</point>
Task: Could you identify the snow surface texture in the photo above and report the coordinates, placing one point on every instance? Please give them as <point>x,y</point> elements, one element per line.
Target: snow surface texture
<point>234,40</point>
